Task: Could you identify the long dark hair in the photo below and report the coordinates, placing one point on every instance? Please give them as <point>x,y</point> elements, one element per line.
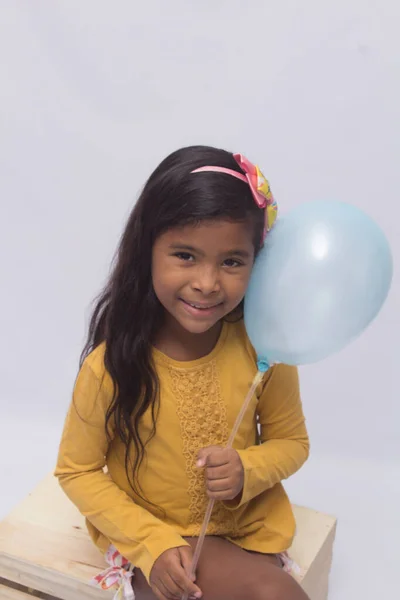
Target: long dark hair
<point>127,313</point>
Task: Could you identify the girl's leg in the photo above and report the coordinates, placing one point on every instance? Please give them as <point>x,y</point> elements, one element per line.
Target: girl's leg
<point>226,572</point>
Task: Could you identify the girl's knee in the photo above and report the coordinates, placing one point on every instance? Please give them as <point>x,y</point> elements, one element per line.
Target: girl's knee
<point>277,588</point>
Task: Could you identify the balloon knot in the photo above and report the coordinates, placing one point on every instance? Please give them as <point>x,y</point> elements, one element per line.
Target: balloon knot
<point>263,366</point>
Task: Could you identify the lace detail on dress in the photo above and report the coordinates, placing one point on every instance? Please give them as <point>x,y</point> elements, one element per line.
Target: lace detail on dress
<point>203,421</point>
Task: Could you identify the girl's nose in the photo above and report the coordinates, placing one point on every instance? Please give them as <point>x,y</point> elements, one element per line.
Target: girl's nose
<point>206,281</point>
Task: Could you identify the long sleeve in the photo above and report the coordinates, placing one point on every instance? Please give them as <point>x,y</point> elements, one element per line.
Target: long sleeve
<point>134,531</point>
<point>284,443</point>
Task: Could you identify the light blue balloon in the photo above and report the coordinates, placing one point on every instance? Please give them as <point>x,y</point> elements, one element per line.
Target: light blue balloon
<point>321,278</point>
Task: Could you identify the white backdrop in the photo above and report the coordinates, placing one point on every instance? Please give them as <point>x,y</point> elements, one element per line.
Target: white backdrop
<point>93,95</point>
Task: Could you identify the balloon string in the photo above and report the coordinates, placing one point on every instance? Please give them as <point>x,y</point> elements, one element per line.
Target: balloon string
<point>199,546</point>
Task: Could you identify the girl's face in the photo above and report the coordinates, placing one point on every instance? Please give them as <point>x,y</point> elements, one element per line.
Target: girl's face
<point>201,272</point>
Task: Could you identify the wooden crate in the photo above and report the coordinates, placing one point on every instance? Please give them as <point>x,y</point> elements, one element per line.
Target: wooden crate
<point>46,553</point>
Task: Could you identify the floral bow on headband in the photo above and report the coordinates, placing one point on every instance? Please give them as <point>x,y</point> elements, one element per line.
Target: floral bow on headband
<point>258,184</point>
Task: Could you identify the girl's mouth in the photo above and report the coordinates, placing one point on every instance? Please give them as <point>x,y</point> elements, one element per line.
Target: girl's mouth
<point>198,309</point>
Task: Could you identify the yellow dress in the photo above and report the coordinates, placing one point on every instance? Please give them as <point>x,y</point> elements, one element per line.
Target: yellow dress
<point>199,402</point>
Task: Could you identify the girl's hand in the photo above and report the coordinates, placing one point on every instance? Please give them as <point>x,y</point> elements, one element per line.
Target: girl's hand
<point>224,472</point>
<point>170,576</point>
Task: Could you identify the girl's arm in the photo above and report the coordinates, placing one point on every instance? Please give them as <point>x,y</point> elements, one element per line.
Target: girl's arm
<point>284,440</point>
<point>133,530</point>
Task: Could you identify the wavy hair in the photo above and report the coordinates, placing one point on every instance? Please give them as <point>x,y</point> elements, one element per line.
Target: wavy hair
<point>127,313</point>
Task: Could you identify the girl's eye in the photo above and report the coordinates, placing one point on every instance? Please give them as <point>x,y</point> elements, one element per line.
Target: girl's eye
<point>184,256</point>
<point>231,262</point>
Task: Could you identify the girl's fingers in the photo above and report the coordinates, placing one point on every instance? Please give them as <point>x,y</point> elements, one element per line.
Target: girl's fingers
<point>222,496</point>
<point>219,485</point>
<point>168,587</point>
<point>157,592</point>
<point>184,584</point>
<point>186,555</point>
<point>218,457</point>
<point>219,472</point>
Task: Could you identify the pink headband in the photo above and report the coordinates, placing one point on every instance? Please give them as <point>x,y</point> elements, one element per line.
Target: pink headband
<point>259,186</point>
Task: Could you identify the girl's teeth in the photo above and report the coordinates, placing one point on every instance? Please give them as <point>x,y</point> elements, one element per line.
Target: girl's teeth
<point>201,307</point>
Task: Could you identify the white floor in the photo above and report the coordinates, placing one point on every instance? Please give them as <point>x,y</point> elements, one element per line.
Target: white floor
<point>364,497</point>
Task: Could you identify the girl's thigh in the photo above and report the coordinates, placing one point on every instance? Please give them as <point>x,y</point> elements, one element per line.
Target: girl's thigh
<point>226,572</point>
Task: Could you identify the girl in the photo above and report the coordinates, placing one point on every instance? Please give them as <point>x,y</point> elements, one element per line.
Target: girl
<point>163,375</point>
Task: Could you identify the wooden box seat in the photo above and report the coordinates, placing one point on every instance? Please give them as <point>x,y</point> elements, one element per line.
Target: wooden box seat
<point>46,552</point>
